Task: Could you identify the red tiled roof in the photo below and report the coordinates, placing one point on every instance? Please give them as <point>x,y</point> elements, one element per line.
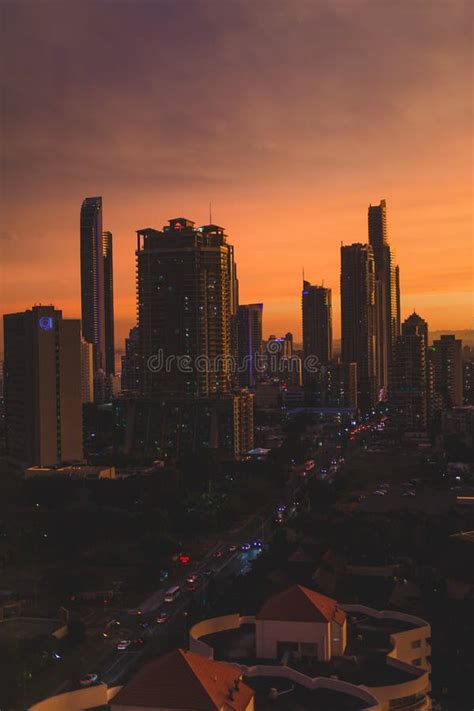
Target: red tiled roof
<point>300,604</point>
<point>185,680</point>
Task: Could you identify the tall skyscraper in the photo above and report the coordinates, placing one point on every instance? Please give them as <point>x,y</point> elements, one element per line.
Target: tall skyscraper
<point>387,293</point>
<point>87,371</point>
<point>97,285</point>
<point>446,356</point>
<point>187,300</point>
<point>358,321</point>
<point>109,303</point>
<point>42,387</point>
<point>317,323</point>
<point>249,339</point>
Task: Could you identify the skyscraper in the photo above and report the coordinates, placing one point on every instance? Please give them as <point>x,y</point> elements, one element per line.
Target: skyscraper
<point>42,387</point>
<point>109,303</point>
<point>387,293</point>
<point>446,356</point>
<point>97,285</point>
<point>187,299</point>
<point>317,323</point>
<point>358,320</point>
<point>408,382</point>
<point>87,371</point>
<point>249,339</point>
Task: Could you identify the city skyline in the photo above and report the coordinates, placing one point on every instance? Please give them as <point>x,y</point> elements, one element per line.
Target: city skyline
<point>290,166</point>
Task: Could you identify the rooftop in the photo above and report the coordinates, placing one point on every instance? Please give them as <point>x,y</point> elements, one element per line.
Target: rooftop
<point>300,604</point>
<point>182,679</point>
<point>294,697</point>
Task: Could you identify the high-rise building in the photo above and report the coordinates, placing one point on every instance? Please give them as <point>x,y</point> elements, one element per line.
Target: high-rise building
<point>415,325</point>
<point>109,303</point>
<point>97,285</point>
<point>187,299</point>
<point>387,294</point>
<point>358,322</point>
<point>87,371</point>
<point>43,387</point>
<point>249,339</point>
<point>131,362</point>
<point>317,326</point>
<point>408,391</point>
<point>446,357</point>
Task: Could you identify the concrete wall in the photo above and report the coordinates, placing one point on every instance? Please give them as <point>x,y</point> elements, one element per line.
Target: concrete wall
<point>338,639</point>
<point>269,632</point>
<point>77,700</point>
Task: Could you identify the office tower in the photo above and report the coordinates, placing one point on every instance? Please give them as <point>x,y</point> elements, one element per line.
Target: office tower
<point>42,387</point>
<point>109,303</point>
<point>446,356</point>
<point>131,362</point>
<point>408,390</point>
<point>358,322</point>
<point>97,285</point>
<point>317,326</point>
<point>87,371</point>
<point>187,298</point>
<point>387,294</point>
<point>249,340</point>
<point>468,379</point>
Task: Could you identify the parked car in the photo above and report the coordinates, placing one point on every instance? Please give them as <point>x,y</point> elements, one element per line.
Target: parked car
<point>89,679</point>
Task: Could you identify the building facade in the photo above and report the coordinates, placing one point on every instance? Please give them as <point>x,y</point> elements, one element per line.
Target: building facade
<point>317,327</point>
<point>358,321</point>
<point>42,387</point>
<point>387,294</point>
<point>131,363</point>
<point>446,357</point>
<point>97,310</point>
<point>249,339</point>
<point>187,300</point>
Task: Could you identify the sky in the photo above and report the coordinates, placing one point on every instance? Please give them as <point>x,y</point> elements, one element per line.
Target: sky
<point>290,116</point>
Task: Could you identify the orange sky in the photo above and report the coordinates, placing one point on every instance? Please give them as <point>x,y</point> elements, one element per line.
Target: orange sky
<point>290,117</point>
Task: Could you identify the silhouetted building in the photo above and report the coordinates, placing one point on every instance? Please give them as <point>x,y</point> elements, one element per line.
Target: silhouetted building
<point>249,339</point>
<point>187,298</point>
<point>158,428</point>
<point>446,356</point>
<point>387,294</point>
<point>408,392</point>
<point>317,327</point>
<point>109,303</point>
<point>42,387</point>
<point>358,322</point>
<point>97,285</point>
<point>131,362</point>
<point>468,381</point>
<point>87,371</point>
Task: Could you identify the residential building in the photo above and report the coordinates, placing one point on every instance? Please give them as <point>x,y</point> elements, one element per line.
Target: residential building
<point>131,363</point>
<point>408,392</point>
<point>387,294</point>
<point>446,356</point>
<point>187,300</point>
<point>249,340</point>
<point>87,371</point>
<point>42,369</point>
<point>317,326</point>
<point>97,309</point>
<point>358,319</point>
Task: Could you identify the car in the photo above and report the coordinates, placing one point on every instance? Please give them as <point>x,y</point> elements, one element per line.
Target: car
<point>217,554</point>
<point>232,548</point>
<point>245,547</point>
<point>123,645</point>
<point>379,492</point>
<point>207,573</point>
<point>89,679</point>
<point>138,642</point>
<point>408,493</point>
<point>191,579</point>
<point>162,617</point>
<point>257,543</point>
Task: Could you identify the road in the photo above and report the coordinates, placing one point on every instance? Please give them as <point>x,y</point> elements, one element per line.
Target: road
<point>100,655</point>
